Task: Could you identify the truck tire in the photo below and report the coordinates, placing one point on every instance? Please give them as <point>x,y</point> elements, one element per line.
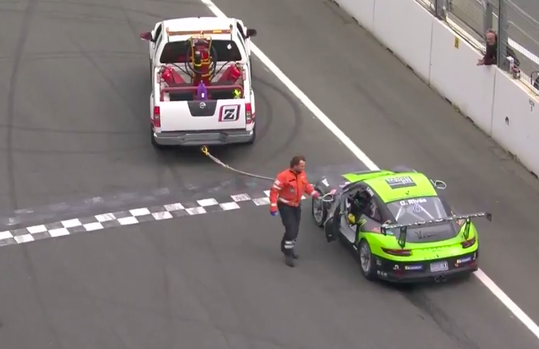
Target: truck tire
<point>253,139</point>
<point>154,143</point>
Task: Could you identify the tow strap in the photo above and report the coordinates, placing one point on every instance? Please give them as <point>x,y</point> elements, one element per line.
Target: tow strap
<point>206,152</point>
<point>325,198</point>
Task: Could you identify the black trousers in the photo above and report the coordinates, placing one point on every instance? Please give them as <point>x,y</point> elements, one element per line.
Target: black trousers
<point>291,218</point>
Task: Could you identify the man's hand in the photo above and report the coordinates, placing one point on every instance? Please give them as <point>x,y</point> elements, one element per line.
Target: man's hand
<point>480,61</point>
<point>316,194</point>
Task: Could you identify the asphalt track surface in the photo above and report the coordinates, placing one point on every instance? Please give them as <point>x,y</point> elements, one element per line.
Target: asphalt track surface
<point>74,124</point>
<point>525,27</point>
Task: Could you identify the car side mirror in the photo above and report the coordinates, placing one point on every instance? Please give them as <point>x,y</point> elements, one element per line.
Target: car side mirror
<point>438,184</point>
<point>147,36</point>
<point>251,33</point>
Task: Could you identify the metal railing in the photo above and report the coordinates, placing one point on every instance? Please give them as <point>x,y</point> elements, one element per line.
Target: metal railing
<point>515,21</point>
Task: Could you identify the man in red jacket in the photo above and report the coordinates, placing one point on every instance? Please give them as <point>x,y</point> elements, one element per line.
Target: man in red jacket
<point>285,198</point>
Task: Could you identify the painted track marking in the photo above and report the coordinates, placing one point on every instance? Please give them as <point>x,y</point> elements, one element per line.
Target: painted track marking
<point>302,97</point>
<point>134,216</point>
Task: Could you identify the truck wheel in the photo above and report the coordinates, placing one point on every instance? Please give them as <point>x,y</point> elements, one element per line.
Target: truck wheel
<point>367,261</point>
<point>253,138</point>
<point>154,143</point>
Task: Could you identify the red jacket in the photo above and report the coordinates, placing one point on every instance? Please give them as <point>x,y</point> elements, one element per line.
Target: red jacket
<point>288,188</point>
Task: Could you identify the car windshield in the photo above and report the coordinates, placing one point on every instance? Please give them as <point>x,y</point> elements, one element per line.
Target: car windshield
<point>416,210</point>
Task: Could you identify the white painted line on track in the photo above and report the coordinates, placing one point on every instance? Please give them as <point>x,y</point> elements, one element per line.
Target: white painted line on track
<point>302,97</point>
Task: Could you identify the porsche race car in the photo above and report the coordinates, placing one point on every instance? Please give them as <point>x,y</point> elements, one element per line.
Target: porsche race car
<point>406,232</point>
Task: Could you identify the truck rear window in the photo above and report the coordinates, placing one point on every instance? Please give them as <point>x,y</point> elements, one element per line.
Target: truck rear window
<point>176,52</point>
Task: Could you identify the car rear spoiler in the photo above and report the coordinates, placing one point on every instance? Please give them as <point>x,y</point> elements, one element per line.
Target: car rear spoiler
<point>404,227</point>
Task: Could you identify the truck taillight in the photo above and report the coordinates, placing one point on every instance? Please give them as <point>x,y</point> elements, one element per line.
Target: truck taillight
<point>156,116</point>
<point>248,114</point>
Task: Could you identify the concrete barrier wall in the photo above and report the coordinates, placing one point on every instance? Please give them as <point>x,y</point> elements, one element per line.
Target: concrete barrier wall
<point>502,107</point>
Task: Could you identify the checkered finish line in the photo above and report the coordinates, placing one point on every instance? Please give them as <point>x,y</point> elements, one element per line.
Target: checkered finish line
<point>129,217</point>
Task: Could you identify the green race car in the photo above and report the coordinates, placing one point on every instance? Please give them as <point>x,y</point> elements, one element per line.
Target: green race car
<point>399,227</point>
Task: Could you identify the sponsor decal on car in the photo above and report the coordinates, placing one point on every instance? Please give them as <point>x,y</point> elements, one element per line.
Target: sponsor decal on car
<point>413,202</point>
<point>464,260</point>
<point>400,182</point>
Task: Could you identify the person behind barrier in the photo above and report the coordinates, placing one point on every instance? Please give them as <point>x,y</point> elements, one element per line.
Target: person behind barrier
<point>285,199</point>
<point>491,54</point>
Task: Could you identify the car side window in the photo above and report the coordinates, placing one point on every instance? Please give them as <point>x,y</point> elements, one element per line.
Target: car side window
<point>158,41</point>
<point>158,32</point>
<point>374,212</point>
<point>240,39</point>
<point>240,29</point>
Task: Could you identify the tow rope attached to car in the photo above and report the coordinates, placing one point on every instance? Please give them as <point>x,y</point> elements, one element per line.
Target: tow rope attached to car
<point>206,152</point>
<point>325,198</point>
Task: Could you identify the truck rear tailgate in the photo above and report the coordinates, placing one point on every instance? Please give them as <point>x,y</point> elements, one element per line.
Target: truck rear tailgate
<point>228,114</point>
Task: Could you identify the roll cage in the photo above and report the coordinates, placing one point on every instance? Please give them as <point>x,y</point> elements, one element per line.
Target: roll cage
<point>380,212</point>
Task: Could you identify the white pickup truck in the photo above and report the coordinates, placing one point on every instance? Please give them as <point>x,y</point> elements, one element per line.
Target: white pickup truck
<point>201,82</point>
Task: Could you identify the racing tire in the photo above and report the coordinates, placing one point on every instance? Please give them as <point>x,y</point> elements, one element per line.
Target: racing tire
<point>319,210</point>
<point>366,261</point>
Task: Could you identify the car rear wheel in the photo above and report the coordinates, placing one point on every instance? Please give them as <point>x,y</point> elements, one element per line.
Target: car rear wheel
<point>367,261</point>
<point>319,210</point>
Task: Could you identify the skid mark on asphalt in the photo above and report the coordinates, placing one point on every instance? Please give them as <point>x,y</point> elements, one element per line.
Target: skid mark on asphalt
<point>130,217</point>
<point>150,198</point>
<point>296,116</point>
<point>28,12</point>
<point>29,225</point>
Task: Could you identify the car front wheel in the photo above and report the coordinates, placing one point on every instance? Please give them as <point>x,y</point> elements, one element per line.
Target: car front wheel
<point>319,211</point>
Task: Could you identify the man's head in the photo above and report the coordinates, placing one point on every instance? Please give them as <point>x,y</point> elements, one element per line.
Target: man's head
<point>490,37</point>
<point>297,164</point>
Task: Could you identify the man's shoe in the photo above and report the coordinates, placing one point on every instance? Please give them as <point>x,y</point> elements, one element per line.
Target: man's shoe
<point>289,260</point>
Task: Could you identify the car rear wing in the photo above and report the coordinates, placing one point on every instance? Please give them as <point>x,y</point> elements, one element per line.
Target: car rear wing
<point>404,227</point>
